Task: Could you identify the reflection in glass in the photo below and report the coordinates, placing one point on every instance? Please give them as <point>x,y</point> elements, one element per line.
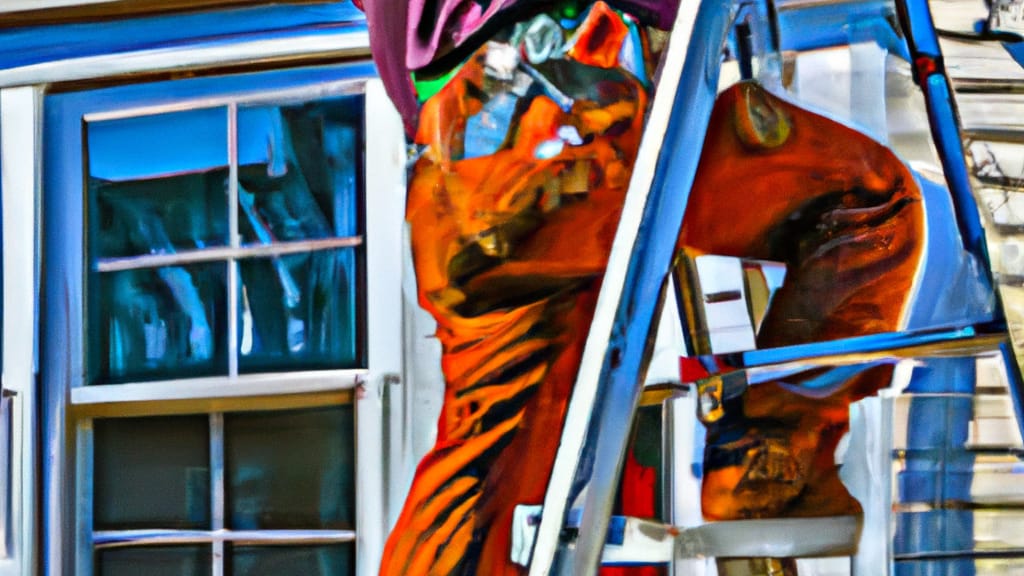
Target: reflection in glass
<point>158,145</point>
<point>152,473</point>
<point>158,216</point>
<point>155,561</point>
<point>298,169</point>
<point>290,470</point>
<point>157,182</point>
<point>332,560</point>
<point>297,311</point>
<point>159,323</point>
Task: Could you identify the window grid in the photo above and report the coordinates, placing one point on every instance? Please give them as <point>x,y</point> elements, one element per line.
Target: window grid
<point>236,251</point>
<point>219,533</point>
<point>235,241</point>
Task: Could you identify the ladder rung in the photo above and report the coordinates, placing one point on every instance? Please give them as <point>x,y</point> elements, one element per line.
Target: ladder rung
<point>775,538</point>
<point>638,541</point>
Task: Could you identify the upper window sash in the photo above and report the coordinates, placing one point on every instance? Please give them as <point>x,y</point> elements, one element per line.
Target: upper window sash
<point>67,112</point>
<point>262,280</point>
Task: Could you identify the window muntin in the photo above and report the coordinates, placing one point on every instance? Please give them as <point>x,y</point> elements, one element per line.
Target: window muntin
<point>273,486</point>
<point>235,255</point>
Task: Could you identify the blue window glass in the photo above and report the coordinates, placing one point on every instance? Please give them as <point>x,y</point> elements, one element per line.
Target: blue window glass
<point>164,250</point>
<point>158,145</point>
<point>160,215</point>
<point>157,183</point>
<point>299,170</point>
<point>162,322</point>
<point>297,310</point>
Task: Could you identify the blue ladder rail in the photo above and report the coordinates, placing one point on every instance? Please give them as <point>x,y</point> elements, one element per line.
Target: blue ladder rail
<point>608,388</point>
<point>930,74</point>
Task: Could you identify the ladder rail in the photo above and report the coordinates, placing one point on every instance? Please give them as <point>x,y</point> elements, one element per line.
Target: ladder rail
<point>607,388</point>
<point>948,135</point>
<point>929,71</point>
<point>607,391</point>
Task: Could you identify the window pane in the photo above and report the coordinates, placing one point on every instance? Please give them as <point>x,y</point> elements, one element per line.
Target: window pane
<point>155,561</point>
<point>332,560</point>
<point>298,312</point>
<point>290,470</point>
<point>158,324</point>
<point>159,216</point>
<point>158,145</point>
<point>152,473</point>
<point>157,183</point>
<point>298,170</point>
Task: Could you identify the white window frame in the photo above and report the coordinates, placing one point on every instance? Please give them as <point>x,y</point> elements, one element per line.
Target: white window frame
<point>23,5</point>
<point>21,113</point>
<point>243,391</point>
<point>20,144</point>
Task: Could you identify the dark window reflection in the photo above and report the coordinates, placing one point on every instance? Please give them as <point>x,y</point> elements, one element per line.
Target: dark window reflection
<point>297,312</point>
<point>159,323</point>
<point>290,470</point>
<point>159,216</point>
<point>155,561</point>
<point>159,184</point>
<point>332,560</point>
<point>152,473</point>
<point>298,171</point>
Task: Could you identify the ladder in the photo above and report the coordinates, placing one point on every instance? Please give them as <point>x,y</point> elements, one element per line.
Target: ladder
<point>574,531</point>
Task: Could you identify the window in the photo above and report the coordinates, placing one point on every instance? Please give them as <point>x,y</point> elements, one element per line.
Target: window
<point>223,240</point>
<point>233,488</point>
<point>223,379</point>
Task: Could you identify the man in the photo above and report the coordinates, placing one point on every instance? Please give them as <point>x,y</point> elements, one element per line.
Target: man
<point>527,152</point>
